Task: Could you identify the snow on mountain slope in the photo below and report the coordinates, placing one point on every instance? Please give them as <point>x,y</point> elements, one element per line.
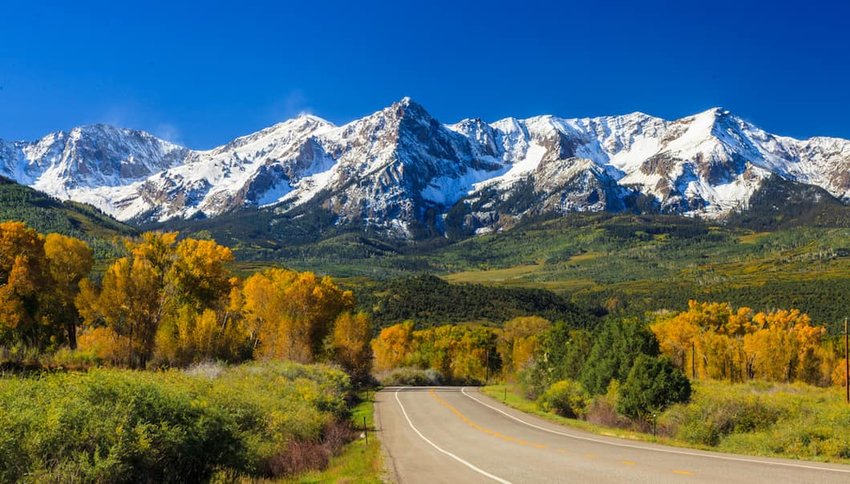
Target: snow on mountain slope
<point>257,169</point>
<point>400,169</point>
<point>87,161</point>
<point>88,157</point>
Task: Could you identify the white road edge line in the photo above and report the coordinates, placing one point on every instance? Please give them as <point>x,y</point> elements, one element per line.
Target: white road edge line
<point>467,464</point>
<point>655,449</point>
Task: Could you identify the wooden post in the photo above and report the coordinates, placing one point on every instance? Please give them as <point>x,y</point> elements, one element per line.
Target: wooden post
<point>365,430</point>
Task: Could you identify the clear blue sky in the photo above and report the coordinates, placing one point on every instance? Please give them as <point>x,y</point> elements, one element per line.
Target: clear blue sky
<point>203,74</point>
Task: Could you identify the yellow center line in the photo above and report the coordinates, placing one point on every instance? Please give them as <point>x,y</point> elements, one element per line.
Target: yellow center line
<point>683,473</point>
<point>629,462</point>
<point>480,428</point>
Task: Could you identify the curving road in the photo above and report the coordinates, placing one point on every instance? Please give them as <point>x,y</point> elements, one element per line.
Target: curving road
<point>458,435</point>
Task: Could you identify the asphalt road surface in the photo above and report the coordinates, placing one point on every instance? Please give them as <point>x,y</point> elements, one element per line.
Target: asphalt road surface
<point>459,435</point>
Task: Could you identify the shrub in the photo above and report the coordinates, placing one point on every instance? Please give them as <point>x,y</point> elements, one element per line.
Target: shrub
<point>602,409</point>
<point>125,426</point>
<point>653,384</point>
<point>719,411</point>
<point>531,381</point>
<point>71,359</point>
<point>566,398</point>
<point>410,377</point>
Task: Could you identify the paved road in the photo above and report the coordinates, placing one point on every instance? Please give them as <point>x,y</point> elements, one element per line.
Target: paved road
<point>458,435</point>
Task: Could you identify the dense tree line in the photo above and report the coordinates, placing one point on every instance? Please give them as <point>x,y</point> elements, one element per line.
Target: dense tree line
<point>426,299</point>
<point>715,340</point>
<point>563,366</point>
<point>821,300</point>
<point>170,302</point>
<point>459,353</point>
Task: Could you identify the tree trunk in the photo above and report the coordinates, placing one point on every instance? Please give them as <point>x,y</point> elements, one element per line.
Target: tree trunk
<point>71,329</point>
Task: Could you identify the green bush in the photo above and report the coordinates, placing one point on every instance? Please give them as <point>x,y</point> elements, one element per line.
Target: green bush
<point>125,426</point>
<point>566,398</point>
<point>653,384</point>
<point>717,416</point>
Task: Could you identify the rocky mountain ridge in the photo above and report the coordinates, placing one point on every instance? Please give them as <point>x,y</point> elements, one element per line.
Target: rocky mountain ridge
<point>400,168</point>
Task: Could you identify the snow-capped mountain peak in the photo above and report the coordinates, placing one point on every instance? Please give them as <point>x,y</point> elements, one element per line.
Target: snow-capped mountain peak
<point>89,157</point>
<point>399,168</point>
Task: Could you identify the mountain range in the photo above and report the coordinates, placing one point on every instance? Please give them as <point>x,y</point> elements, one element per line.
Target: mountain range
<point>400,169</point>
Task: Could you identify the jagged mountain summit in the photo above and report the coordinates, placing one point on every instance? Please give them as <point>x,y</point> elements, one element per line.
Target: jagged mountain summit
<point>400,168</point>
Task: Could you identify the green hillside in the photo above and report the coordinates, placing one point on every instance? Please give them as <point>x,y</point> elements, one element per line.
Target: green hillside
<point>46,214</point>
<point>614,263</point>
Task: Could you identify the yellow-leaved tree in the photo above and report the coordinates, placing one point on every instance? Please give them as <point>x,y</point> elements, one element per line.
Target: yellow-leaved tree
<point>290,314</point>
<point>393,346</point>
<point>349,345</point>
<point>518,342</point>
<point>781,345</point>
<point>130,303</point>
<point>133,296</point>
<point>69,261</point>
<point>201,322</point>
<point>169,298</point>
<point>25,288</point>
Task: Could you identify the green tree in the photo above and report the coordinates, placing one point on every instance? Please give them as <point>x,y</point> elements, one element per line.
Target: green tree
<point>561,354</point>
<point>654,383</point>
<point>615,349</point>
<point>577,351</point>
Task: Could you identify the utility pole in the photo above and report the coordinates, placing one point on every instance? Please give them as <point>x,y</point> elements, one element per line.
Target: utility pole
<point>846,363</point>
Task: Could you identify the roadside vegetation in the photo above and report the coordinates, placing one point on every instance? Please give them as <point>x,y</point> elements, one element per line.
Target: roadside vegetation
<point>361,461</point>
<point>112,425</point>
<point>795,421</point>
